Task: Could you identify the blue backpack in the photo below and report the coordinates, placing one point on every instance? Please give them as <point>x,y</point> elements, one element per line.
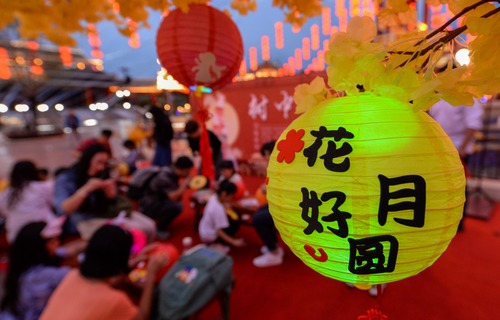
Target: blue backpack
<point>195,279</point>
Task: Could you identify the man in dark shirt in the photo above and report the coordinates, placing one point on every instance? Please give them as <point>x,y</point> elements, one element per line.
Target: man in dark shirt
<point>193,130</point>
<point>162,199</point>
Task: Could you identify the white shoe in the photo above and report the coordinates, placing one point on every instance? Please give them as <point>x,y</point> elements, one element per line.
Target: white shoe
<point>268,260</point>
<point>265,249</point>
<point>374,292</point>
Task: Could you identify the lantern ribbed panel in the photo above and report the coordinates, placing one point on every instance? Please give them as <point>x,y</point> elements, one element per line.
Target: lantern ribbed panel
<point>392,140</point>
<point>183,36</point>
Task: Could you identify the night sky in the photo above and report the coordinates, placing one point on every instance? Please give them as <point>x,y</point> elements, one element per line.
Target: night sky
<point>141,62</point>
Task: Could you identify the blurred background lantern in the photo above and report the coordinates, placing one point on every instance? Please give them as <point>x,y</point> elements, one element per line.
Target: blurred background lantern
<point>201,47</point>
<point>365,190</point>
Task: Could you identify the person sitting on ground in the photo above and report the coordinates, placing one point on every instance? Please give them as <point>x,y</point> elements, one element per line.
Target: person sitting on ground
<point>271,253</point>
<point>162,197</point>
<point>89,293</point>
<point>43,174</point>
<point>133,155</point>
<point>193,130</point>
<point>228,172</point>
<point>90,198</point>
<point>27,199</point>
<point>34,271</point>
<point>102,139</point>
<point>215,226</point>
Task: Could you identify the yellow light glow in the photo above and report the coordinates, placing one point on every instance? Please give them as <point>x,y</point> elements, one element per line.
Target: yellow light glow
<point>164,81</point>
<point>20,60</point>
<point>422,26</point>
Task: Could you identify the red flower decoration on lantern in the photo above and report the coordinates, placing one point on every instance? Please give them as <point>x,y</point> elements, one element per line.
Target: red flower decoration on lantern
<point>291,145</point>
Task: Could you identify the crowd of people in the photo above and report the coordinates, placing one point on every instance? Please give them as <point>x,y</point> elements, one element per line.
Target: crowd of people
<point>73,234</point>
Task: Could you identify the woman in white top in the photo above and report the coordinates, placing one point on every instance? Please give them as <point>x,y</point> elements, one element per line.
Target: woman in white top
<point>26,199</point>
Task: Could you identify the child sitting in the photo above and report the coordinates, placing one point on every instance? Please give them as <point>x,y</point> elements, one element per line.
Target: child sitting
<point>228,172</point>
<point>215,225</point>
<point>133,155</point>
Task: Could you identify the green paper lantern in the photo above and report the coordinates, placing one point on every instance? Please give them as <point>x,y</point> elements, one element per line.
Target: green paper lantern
<point>365,190</point>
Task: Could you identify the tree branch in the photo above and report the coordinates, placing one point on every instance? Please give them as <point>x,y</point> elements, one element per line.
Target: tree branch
<point>458,15</point>
<point>445,39</point>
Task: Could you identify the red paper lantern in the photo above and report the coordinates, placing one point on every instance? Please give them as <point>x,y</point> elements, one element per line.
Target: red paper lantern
<point>201,47</point>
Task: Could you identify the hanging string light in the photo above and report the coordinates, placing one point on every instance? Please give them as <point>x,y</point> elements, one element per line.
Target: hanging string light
<point>94,41</point>
<point>278,35</point>
<point>315,37</point>
<point>291,66</point>
<point>326,20</point>
<point>306,48</point>
<point>66,56</point>
<point>254,64</point>
<point>266,53</point>
<point>298,59</point>
<point>36,63</point>
<point>5,73</point>
<point>243,68</point>
<point>341,13</point>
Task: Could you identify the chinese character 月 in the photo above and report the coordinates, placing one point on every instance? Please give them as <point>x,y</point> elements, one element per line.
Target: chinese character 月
<point>417,206</point>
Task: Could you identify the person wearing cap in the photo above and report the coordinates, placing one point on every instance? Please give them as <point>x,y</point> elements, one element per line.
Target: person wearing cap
<point>34,271</point>
<point>89,293</point>
<point>27,199</point>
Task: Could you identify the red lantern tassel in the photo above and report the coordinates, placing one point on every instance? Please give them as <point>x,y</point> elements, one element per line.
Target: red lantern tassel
<point>375,313</point>
<point>207,164</point>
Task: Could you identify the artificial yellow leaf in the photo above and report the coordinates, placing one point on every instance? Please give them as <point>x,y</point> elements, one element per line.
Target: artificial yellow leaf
<point>362,29</point>
<point>398,5</point>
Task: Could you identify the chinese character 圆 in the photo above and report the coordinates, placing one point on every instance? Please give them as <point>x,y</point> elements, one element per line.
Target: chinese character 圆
<point>373,254</point>
<point>418,193</point>
<point>311,202</point>
<point>332,152</point>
